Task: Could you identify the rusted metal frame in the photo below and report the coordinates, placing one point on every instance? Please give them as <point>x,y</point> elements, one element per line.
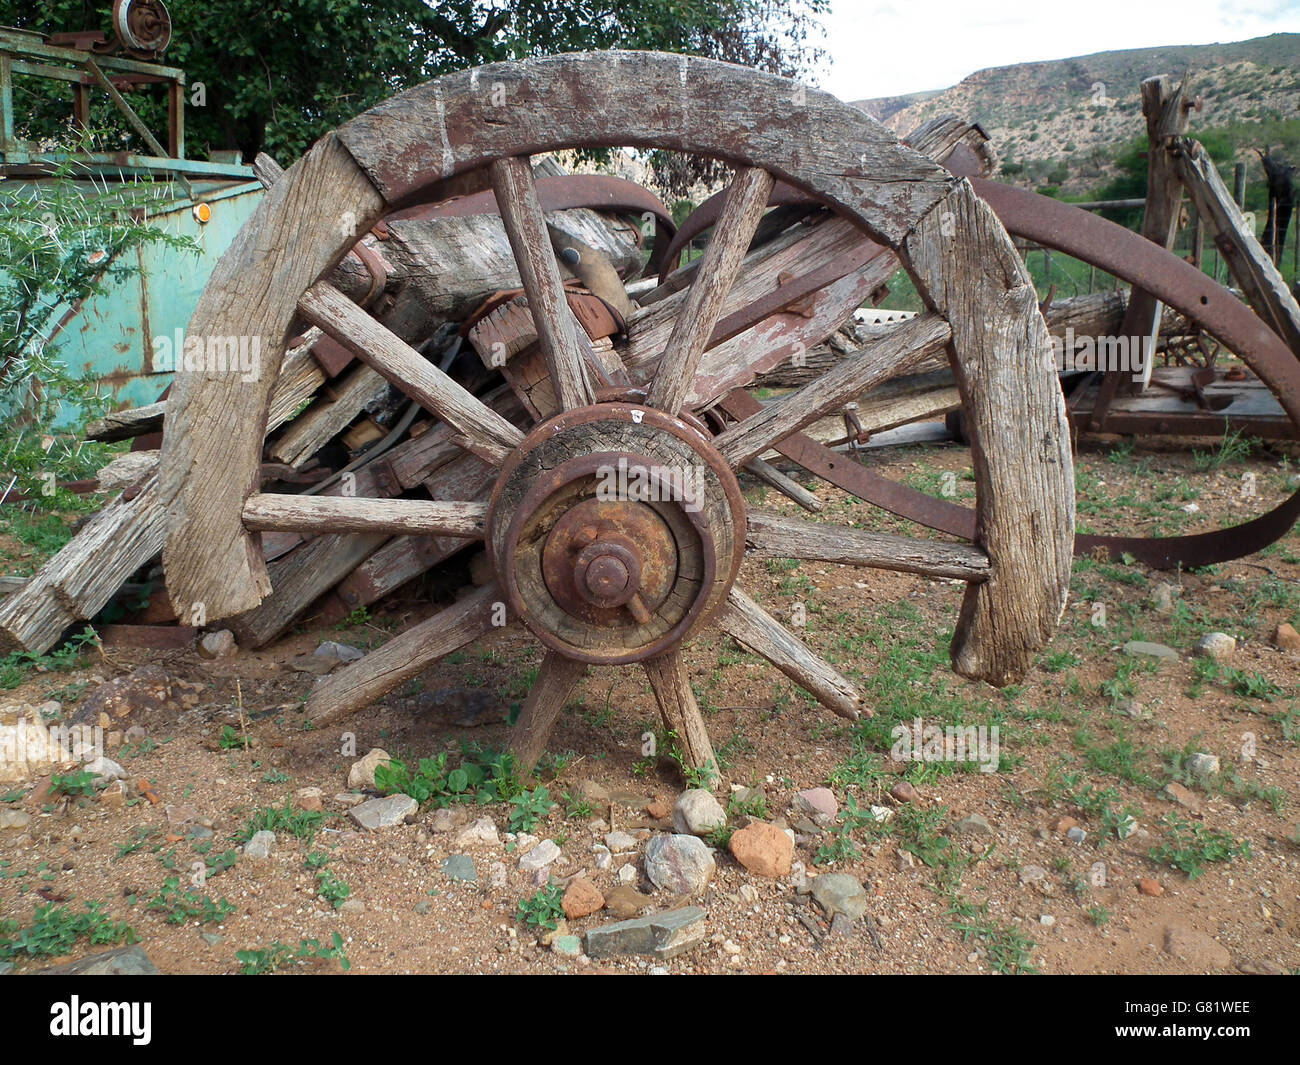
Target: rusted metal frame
<point>119,101</point>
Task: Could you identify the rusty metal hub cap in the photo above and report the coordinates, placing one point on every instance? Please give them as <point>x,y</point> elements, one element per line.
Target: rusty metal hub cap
<point>617,530</point>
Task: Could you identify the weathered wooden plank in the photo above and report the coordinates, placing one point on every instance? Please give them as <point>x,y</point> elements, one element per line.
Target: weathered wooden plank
<point>1263,285</point>
<point>564,345</point>
<point>556,680</point>
<point>892,353</point>
<point>216,420</point>
<point>671,684</point>
<point>753,627</point>
<point>787,486</point>
<point>968,270</point>
<point>774,536</point>
<point>88,571</point>
<point>405,367</point>
<point>676,102</point>
<point>328,416</point>
<point>403,657</point>
<point>318,514</point>
<point>721,262</point>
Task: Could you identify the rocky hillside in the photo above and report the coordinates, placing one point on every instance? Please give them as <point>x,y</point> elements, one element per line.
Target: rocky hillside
<point>1060,121</point>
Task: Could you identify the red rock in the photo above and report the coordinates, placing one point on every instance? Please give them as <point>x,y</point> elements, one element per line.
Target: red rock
<point>763,849</point>
<point>903,791</point>
<point>1147,886</point>
<point>1062,825</point>
<point>581,899</point>
<point>1285,638</point>
<point>659,810</point>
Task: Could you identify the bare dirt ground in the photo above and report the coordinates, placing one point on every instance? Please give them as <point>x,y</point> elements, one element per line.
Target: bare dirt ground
<point>1090,740</point>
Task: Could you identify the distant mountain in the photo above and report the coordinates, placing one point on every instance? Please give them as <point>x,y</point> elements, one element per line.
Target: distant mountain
<point>1060,120</point>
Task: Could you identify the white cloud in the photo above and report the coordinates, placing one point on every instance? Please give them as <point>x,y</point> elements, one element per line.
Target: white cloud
<point>887,49</point>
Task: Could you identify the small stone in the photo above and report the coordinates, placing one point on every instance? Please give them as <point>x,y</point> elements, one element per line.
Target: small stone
<point>362,773</point>
<point>973,825</point>
<point>620,842</point>
<point>310,799</point>
<point>678,863</point>
<point>332,650</point>
<point>1203,766</point>
<point>484,830</point>
<point>125,961</point>
<point>697,813</point>
<point>540,856</point>
<point>839,893</point>
<point>817,803</point>
<point>211,938</point>
<point>1175,792</point>
<point>424,906</point>
<point>1145,649</point>
<point>260,846</point>
<point>1151,888</point>
<point>1047,920</point>
<point>114,795</point>
<point>1195,948</point>
<point>581,899</point>
<point>903,791</point>
<point>1285,638</point>
<point>105,770</point>
<point>552,934</point>
<point>219,644</point>
<point>1062,825</point>
<point>15,820</point>
<point>383,813</point>
<point>604,860</point>
<point>567,946</point>
<point>664,935</point>
<point>881,814</point>
<point>448,818</point>
<point>763,849</point>
<point>1076,835</point>
<point>626,901</point>
<point>348,798</point>
<point>460,867</point>
<point>1032,874</point>
<point>178,816</point>
<point>594,793</point>
<point>1218,646</point>
<point>1162,597</point>
<point>627,874</point>
<point>352,906</point>
<point>659,810</point>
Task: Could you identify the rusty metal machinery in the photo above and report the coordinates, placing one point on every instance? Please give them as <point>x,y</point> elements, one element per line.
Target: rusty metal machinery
<point>143,27</point>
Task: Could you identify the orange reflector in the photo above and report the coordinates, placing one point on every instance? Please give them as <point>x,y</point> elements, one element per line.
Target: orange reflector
<point>202,212</point>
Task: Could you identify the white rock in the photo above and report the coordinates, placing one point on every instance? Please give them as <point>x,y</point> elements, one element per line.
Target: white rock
<point>484,830</point>
<point>260,846</point>
<point>540,856</point>
<point>362,773</point>
<point>697,813</point>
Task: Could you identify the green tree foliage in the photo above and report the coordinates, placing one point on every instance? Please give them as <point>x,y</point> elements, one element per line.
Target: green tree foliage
<point>279,75</point>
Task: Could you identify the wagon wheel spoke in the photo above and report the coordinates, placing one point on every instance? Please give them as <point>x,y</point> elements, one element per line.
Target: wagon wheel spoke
<point>895,353</point>
<point>564,346</point>
<point>746,202</point>
<point>749,624</point>
<point>270,512</point>
<point>404,657</point>
<point>556,679</point>
<point>484,430</point>
<point>678,708</point>
<point>774,536</point>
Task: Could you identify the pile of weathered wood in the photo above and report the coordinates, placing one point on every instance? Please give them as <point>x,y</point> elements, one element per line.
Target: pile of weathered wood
<point>447,284</point>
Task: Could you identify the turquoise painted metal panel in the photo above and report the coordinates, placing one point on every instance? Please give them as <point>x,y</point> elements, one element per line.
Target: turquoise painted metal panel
<point>111,336</point>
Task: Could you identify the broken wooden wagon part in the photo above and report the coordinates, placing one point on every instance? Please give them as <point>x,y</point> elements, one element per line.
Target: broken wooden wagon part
<point>595,570</point>
<point>1178,286</point>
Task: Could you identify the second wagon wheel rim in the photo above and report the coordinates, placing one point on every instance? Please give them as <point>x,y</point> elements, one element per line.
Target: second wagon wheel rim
<point>416,147</point>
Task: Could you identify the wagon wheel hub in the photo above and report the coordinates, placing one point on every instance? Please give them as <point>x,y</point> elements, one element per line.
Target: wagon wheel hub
<point>613,527</point>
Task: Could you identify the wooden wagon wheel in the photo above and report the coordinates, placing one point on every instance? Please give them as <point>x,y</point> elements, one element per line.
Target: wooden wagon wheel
<point>598,574</point>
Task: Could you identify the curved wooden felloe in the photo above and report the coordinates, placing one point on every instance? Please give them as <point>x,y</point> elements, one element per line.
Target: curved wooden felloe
<point>429,141</point>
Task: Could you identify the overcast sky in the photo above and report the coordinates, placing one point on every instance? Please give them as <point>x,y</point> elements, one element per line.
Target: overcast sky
<point>902,46</point>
